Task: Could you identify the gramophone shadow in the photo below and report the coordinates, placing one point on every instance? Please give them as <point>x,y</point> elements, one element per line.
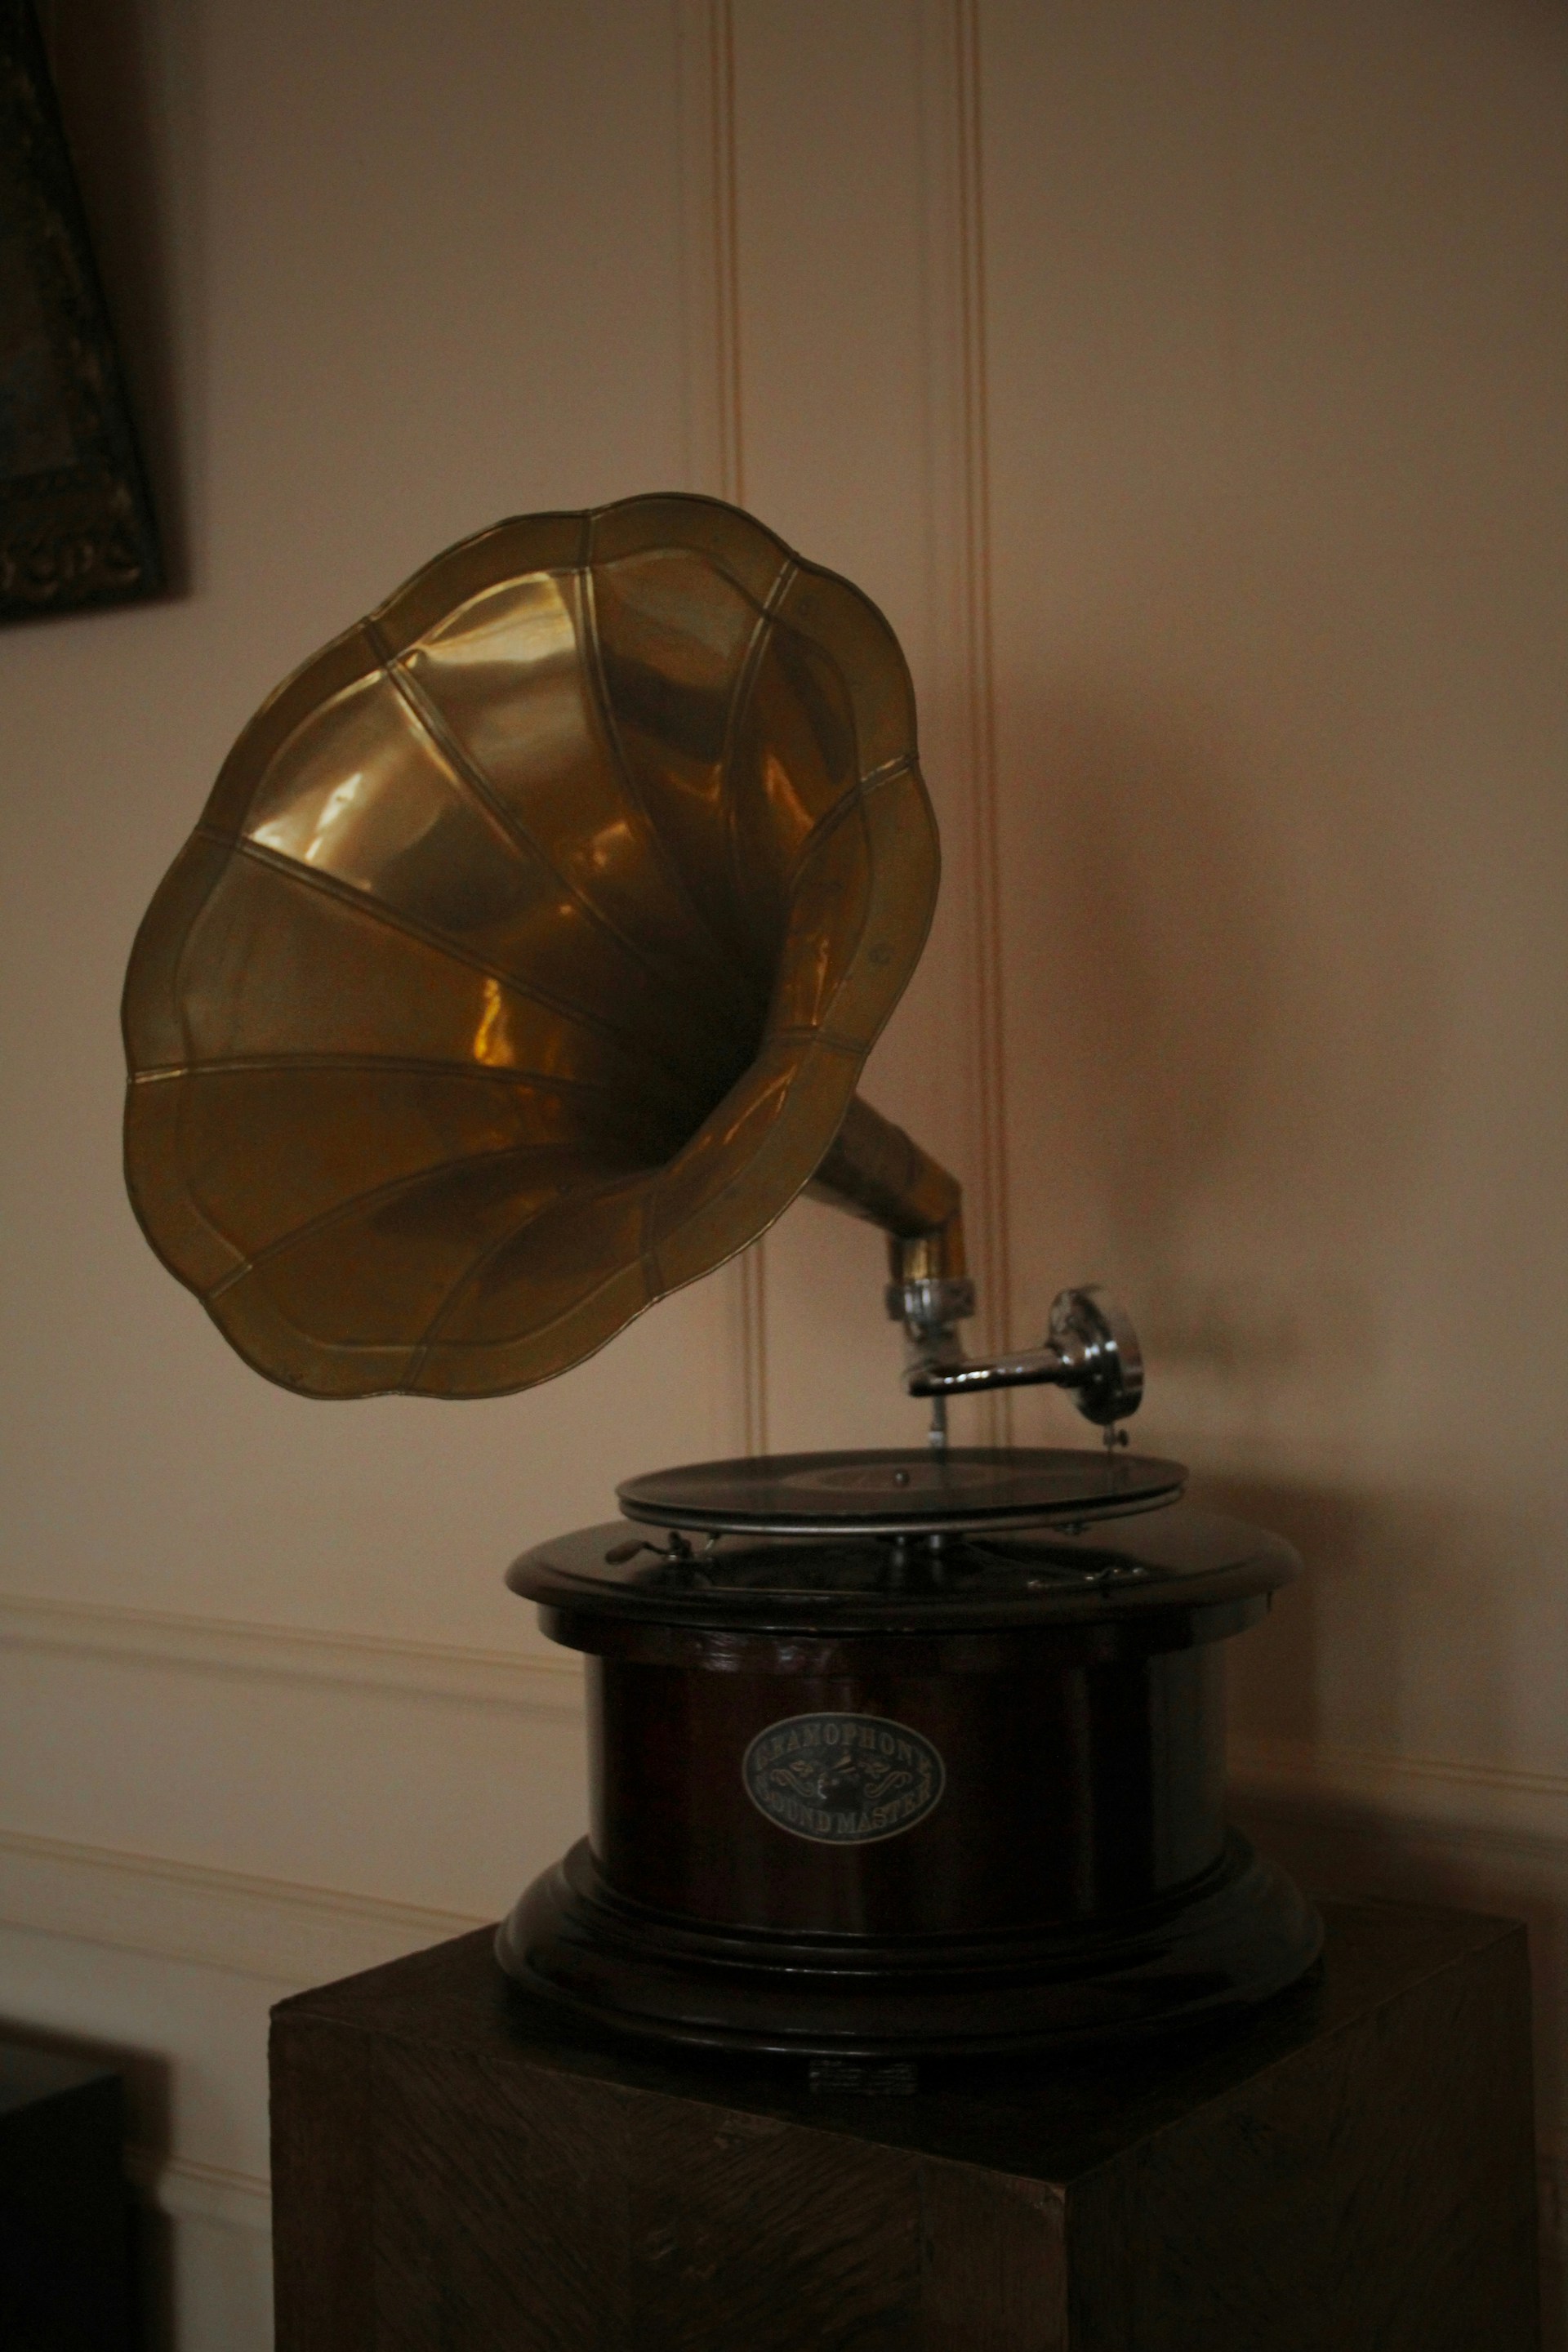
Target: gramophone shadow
<point>1379,1688</point>
<point>1225,1022</point>
<point>1333,1650</point>
<point>1408,1616</point>
<point>1231,1018</point>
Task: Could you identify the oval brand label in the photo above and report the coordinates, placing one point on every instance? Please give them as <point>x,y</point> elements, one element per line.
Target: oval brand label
<point>843,1780</point>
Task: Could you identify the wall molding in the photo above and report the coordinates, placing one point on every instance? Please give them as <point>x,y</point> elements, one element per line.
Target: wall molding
<point>290,1936</point>
<point>1438,1795</point>
<point>1480,1832</point>
<point>1479,1808</point>
<point>471,1677</point>
<point>710,265</point>
<point>188,2191</point>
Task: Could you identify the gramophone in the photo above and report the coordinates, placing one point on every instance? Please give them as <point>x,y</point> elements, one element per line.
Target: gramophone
<point>521,970</point>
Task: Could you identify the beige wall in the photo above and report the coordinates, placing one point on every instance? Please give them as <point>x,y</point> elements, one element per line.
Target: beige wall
<point>1186,382</point>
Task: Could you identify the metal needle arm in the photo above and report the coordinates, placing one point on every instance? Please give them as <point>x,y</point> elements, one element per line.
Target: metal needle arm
<point>1091,1349</point>
<point>1028,1369</point>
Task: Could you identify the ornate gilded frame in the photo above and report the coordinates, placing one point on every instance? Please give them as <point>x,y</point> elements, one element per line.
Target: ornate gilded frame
<point>76,521</point>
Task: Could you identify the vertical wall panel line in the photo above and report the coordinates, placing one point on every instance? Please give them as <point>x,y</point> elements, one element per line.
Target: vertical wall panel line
<point>985,814</point>
<point>960,359</point>
<point>727,252</point>
<point>716,463</point>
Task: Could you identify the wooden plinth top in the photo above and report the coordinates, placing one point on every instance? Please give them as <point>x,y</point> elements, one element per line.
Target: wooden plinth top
<point>1147,1576</point>
<point>1052,2120</point>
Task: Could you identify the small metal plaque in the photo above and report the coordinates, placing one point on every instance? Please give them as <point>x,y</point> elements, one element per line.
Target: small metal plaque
<point>843,1780</point>
<point>864,2078</point>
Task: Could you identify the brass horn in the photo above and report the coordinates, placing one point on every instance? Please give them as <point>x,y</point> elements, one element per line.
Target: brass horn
<point>523,962</point>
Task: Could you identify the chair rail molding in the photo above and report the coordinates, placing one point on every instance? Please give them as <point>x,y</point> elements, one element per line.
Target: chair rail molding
<point>548,1686</point>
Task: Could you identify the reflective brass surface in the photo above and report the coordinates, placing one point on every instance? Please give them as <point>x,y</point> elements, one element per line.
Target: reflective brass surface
<point>875,1170</point>
<point>524,959</point>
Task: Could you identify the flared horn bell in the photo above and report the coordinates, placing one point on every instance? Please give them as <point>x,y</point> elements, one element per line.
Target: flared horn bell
<point>523,962</point>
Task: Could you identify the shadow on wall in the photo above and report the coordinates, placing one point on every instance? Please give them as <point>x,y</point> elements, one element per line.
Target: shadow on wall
<point>1227,1030</point>
<point>1362,1652</point>
<point>147,2113</point>
<point>1406,1610</point>
<point>1233,1004</point>
<point>1401,1642</point>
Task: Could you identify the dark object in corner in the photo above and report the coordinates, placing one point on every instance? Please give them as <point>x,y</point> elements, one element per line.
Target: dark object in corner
<point>1351,2170</point>
<point>64,2266</point>
<point>76,522</point>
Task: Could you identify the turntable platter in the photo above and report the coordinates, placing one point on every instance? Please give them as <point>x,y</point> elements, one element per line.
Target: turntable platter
<point>907,1491</point>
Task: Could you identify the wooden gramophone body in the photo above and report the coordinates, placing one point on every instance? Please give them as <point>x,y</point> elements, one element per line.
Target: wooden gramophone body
<point>978,1807</point>
<point>521,970</point>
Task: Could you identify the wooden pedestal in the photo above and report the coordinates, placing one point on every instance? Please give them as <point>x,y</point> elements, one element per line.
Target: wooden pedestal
<point>458,2169</point>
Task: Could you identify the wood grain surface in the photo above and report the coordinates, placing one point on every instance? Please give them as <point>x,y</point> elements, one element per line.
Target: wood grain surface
<point>1376,2195</point>
<point>455,2166</point>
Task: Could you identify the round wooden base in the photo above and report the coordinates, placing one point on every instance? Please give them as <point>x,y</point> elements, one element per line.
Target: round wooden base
<point>1237,1934</point>
<point>847,1802</point>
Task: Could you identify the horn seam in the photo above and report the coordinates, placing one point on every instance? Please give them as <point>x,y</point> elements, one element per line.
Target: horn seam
<point>390,1191</point>
<point>748,1166</point>
<point>636,1121</point>
<point>824,1037</point>
<point>409,1064</point>
<point>462,547</point>
<point>850,806</point>
<point>467,773</point>
<point>536,1332</point>
<point>431,1336</point>
<point>740,702</point>
<point>564,569</point>
<point>855,802</point>
<point>847,806</point>
<point>376,910</point>
<point>177,991</point>
<point>610,724</point>
<point>891,772</point>
<point>647,1253</point>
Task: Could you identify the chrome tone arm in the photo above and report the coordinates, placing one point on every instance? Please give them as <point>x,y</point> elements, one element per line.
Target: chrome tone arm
<point>972,1376</point>
<point>1091,1349</point>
